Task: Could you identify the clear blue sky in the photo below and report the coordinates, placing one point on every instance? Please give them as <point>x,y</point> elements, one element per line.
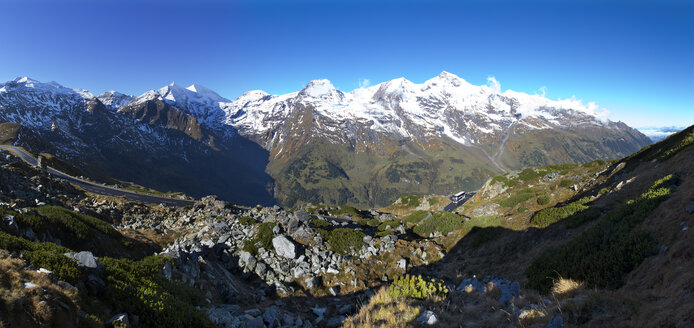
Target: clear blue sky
<point>633,58</point>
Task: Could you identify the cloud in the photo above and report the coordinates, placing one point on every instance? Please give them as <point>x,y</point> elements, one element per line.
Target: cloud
<point>542,91</point>
<point>364,83</point>
<point>493,83</point>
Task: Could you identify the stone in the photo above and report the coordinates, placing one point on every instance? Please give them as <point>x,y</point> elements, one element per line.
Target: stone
<point>84,258</point>
<point>10,225</point>
<point>260,269</point>
<point>428,318</point>
<point>345,309</point>
<point>402,264</point>
<point>272,316</point>
<point>319,311</point>
<point>120,319</point>
<point>509,291</point>
<point>470,285</point>
<point>334,290</point>
<point>256,322</point>
<point>690,208</point>
<point>556,322</point>
<point>312,282</point>
<point>284,247</point>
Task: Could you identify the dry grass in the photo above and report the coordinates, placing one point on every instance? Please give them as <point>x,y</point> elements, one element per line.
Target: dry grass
<point>384,311</point>
<point>566,287</point>
<point>45,305</point>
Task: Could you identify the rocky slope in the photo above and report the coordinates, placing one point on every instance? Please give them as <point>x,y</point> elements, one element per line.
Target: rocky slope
<point>224,265</point>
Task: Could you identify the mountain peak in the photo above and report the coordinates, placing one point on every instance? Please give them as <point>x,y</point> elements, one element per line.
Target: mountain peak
<point>321,88</point>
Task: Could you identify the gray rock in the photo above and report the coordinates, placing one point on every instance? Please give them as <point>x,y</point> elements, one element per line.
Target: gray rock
<point>312,282</point>
<point>470,285</point>
<point>256,322</point>
<point>260,269</point>
<point>272,316</point>
<point>428,318</point>
<point>253,312</point>
<point>402,264</point>
<point>284,247</point>
<point>319,311</point>
<point>557,322</point>
<point>84,258</point>
<point>690,208</point>
<point>10,225</point>
<point>334,290</point>
<point>335,322</point>
<point>121,319</point>
<point>509,291</point>
<point>345,309</point>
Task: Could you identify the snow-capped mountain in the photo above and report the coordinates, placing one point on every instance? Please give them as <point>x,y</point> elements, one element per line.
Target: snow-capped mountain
<point>363,147</point>
<point>150,142</point>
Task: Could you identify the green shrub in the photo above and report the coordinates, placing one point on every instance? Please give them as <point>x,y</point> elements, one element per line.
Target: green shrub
<point>508,183</point>
<point>383,233</point>
<point>443,222</point>
<point>547,216</point>
<point>416,287</point>
<point>581,217</point>
<point>686,141</point>
<point>373,222</point>
<point>247,220</point>
<point>483,235</point>
<point>45,255</point>
<point>606,252</point>
<point>565,183</point>
<point>139,287</point>
<point>604,190</point>
<point>265,235</point>
<point>517,198</point>
<point>522,209</point>
<point>411,200</point>
<point>431,201</point>
<point>416,216</point>
<point>343,240</point>
<point>350,210</point>
<point>543,200</point>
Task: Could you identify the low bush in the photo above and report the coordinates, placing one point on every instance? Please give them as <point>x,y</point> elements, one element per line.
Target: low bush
<point>565,183</point>
<point>581,217</point>
<point>416,216</point>
<point>316,222</point>
<point>247,220</point>
<point>517,198</point>
<point>547,216</point>
<point>344,240</point>
<point>44,255</point>
<point>603,254</point>
<point>139,287</point>
<point>416,287</point>
<point>411,200</point>
<point>442,222</point>
<point>543,200</point>
<point>505,181</point>
<point>483,235</point>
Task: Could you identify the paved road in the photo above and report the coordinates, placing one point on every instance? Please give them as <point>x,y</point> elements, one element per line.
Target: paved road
<point>97,188</point>
<point>453,205</point>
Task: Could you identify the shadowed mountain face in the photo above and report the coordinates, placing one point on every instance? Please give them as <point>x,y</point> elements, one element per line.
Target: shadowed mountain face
<point>149,143</point>
<point>366,147</point>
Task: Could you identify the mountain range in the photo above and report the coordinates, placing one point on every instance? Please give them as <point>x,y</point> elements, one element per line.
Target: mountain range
<point>364,147</point>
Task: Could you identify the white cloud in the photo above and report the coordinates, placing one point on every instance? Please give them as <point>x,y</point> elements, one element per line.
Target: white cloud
<point>493,83</point>
<point>542,91</point>
<point>364,83</point>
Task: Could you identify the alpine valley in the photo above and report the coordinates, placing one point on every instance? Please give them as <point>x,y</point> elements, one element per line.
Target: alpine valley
<point>366,147</point>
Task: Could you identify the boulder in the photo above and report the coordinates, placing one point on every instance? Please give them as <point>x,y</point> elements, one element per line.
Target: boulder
<point>690,208</point>
<point>557,322</point>
<point>118,320</point>
<point>428,318</point>
<point>312,282</point>
<point>402,264</point>
<point>84,258</point>
<point>334,290</point>
<point>284,247</point>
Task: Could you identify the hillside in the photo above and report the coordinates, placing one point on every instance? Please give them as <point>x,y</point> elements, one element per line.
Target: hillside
<point>598,244</point>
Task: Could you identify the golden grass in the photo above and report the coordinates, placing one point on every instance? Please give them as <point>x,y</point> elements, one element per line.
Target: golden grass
<point>384,310</point>
<point>564,286</point>
<point>46,304</point>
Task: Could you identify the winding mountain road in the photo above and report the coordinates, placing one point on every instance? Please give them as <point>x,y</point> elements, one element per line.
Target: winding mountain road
<point>97,188</point>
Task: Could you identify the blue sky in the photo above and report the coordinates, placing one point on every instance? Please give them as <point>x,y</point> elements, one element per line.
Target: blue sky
<point>633,58</point>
